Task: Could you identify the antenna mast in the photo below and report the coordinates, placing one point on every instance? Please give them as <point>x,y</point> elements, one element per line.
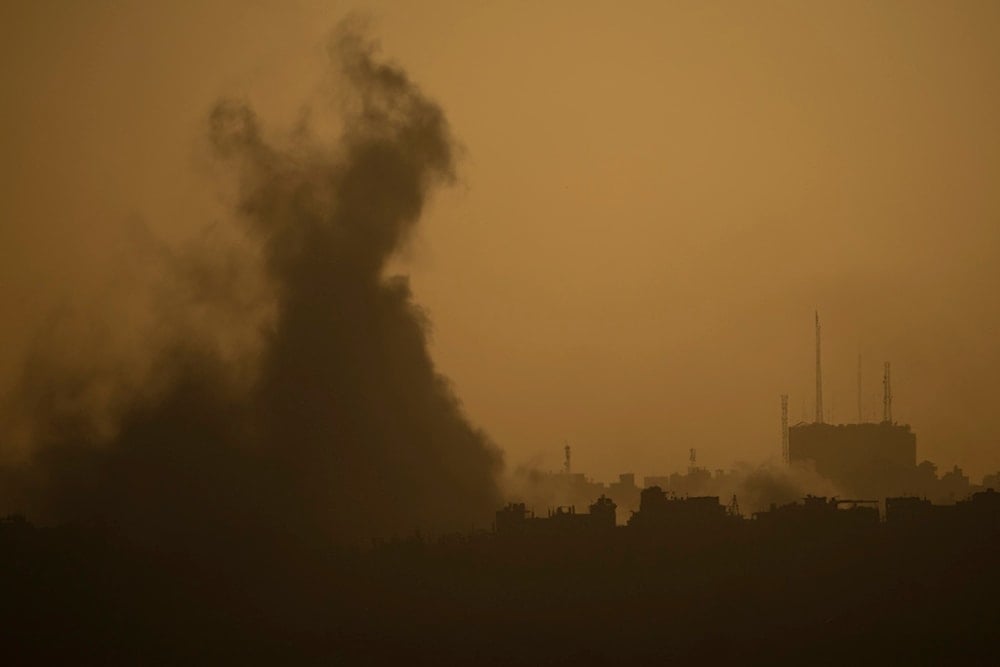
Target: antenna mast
<point>861,417</point>
<point>784,428</point>
<point>819,376</point>
<point>887,395</point>
<point>566,467</point>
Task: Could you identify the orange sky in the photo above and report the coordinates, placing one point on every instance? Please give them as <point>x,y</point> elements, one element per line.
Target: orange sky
<point>652,201</point>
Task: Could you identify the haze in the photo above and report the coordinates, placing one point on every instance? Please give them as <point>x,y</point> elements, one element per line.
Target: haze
<point>652,201</point>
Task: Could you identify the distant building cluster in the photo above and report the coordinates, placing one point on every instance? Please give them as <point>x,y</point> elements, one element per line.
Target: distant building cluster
<point>866,459</point>
<point>705,516</point>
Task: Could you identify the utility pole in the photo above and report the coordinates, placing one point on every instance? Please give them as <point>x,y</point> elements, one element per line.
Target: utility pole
<point>819,375</point>
<point>566,466</point>
<point>734,507</point>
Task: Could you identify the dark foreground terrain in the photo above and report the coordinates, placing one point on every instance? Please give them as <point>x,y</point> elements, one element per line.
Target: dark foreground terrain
<point>747,595</point>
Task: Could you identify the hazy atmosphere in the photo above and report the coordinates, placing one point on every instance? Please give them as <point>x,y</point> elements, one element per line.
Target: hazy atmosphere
<point>641,209</point>
<point>499,333</point>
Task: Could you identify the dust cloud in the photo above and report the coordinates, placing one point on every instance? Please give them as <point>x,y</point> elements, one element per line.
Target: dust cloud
<point>285,387</point>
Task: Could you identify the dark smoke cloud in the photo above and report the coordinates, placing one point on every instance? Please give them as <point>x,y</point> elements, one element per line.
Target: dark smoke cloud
<point>343,428</point>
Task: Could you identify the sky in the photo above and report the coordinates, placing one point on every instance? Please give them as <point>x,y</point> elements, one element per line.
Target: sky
<point>651,202</point>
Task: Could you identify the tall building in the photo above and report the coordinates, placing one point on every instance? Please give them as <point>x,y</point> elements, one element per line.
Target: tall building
<point>873,459</point>
<point>863,458</point>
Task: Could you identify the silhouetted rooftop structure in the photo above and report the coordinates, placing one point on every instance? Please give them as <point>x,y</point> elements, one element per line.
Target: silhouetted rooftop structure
<point>517,519</point>
<point>820,513</point>
<point>657,509</point>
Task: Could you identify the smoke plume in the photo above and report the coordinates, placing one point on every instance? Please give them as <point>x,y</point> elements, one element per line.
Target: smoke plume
<point>341,426</point>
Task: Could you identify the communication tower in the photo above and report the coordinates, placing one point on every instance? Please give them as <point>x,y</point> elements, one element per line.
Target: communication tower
<point>861,417</point>
<point>887,394</point>
<point>784,428</point>
<point>819,375</point>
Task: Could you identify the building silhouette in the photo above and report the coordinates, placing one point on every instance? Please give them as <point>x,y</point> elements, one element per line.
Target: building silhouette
<point>867,459</point>
<point>517,520</point>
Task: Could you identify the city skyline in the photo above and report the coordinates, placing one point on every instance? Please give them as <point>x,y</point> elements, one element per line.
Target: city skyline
<point>499,333</point>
